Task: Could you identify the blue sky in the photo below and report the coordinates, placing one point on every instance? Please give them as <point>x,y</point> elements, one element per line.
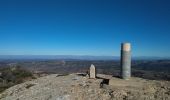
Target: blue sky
<point>84,27</point>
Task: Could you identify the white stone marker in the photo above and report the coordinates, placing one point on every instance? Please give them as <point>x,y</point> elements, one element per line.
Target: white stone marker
<point>92,71</point>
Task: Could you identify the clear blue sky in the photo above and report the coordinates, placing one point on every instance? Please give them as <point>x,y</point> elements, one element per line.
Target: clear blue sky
<point>84,27</point>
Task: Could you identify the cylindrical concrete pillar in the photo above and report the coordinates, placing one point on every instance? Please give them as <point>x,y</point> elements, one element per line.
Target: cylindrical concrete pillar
<point>126,60</point>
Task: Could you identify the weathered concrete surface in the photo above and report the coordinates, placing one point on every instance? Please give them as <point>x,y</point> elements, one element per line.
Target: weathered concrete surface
<point>126,60</point>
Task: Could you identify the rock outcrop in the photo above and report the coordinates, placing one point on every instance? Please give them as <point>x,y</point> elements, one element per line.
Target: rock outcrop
<point>80,87</point>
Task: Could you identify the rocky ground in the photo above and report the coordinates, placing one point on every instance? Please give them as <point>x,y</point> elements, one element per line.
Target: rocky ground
<point>80,87</point>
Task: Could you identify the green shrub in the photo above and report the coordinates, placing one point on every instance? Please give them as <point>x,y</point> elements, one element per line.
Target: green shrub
<point>13,75</point>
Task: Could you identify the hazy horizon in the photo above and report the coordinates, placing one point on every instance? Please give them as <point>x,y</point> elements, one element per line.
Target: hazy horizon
<point>79,57</point>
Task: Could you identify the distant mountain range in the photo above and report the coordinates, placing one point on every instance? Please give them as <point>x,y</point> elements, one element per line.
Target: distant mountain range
<point>75,57</point>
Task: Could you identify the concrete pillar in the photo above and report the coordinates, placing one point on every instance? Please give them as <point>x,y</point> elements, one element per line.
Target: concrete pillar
<point>92,71</point>
<point>126,60</point>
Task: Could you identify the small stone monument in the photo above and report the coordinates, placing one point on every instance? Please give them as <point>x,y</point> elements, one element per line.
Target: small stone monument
<point>92,72</point>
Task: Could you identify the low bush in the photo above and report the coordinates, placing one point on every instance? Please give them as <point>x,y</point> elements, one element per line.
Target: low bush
<point>13,75</point>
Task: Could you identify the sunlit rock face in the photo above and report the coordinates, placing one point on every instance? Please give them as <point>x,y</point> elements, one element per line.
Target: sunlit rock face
<point>80,87</point>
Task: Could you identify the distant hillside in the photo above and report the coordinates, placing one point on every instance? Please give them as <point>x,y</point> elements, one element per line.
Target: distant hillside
<point>75,57</point>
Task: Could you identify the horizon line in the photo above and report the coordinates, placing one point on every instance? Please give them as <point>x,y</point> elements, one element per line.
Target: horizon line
<point>82,55</point>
